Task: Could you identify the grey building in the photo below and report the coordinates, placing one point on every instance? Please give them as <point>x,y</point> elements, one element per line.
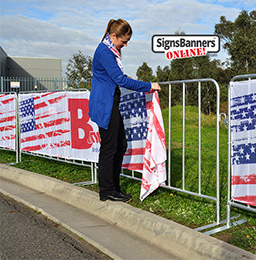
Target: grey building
<point>41,73</point>
<point>3,62</point>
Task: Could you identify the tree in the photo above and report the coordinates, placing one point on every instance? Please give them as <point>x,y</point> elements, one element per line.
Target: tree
<point>240,41</point>
<point>190,68</point>
<point>79,68</point>
<point>204,68</point>
<point>145,73</point>
<point>163,75</point>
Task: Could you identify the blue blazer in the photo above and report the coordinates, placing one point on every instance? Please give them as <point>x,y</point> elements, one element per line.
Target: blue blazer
<point>106,76</point>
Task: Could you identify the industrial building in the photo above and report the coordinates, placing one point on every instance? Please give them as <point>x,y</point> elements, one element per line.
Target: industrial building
<point>32,72</point>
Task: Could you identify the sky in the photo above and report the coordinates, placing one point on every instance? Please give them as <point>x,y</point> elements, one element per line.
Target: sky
<point>58,29</point>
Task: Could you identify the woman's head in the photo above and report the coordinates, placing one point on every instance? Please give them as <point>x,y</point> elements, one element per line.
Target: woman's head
<point>120,32</point>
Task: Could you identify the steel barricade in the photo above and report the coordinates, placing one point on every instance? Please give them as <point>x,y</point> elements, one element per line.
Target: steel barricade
<point>91,165</point>
<point>230,202</point>
<point>183,190</point>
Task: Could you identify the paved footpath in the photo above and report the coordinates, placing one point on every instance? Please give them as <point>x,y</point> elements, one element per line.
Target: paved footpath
<point>24,234</point>
<point>115,228</point>
<point>108,238</point>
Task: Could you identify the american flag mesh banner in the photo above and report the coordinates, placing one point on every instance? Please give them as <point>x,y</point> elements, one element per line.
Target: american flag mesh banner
<point>8,120</point>
<point>57,124</point>
<point>146,151</point>
<point>243,140</point>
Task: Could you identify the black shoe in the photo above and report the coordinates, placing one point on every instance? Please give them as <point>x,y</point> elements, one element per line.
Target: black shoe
<point>115,196</point>
<point>125,195</point>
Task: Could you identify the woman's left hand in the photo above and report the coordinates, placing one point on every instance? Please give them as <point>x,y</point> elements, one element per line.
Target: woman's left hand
<point>155,86</point>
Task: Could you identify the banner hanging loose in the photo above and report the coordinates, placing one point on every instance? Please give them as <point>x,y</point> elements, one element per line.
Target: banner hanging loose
<point>146,152</point>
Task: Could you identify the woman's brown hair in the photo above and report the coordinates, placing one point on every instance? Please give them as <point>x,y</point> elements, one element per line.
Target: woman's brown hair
<point>120,27</point>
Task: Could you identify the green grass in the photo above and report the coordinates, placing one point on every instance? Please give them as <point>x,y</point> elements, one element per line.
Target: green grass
<point>179,207</point>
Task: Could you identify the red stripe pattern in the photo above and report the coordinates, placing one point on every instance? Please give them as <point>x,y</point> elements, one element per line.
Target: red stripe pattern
<point>154,171</point>
<point>243,136</point>
<point>44,121</point>
<point>244,180</point>
<point>249,199</point>
<point>8,121</point>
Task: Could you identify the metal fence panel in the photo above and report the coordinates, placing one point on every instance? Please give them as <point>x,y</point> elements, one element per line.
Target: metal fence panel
<point>91,165</point>
<point>230,202</point>
<point>218,115</point>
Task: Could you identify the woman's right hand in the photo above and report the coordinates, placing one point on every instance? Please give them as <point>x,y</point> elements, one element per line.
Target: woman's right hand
<point>155,86</point>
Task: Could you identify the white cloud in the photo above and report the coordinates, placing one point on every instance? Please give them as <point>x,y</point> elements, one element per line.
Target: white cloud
<point>60,28</point>
<point>30,29</point>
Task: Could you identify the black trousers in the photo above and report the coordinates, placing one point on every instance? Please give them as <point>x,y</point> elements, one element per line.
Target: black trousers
<point>113,147</point>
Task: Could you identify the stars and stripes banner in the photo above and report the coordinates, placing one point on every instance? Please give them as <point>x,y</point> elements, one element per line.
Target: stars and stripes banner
<point>57,124</point>
<point>146,152</point>
<point>8,120</point>
<point>243,140</point>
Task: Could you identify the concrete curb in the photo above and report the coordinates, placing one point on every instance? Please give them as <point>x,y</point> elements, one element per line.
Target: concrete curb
<point>161,232</point>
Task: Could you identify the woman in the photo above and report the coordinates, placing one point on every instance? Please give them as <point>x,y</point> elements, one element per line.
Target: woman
<point>104,106</point>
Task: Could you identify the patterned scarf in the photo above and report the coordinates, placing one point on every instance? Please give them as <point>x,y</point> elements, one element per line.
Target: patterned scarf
<point>112,47</point>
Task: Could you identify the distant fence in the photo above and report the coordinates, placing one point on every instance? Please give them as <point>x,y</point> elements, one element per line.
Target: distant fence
<point>26,84</point>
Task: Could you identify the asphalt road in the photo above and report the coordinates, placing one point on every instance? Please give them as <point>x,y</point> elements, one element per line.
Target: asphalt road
<point>25,234</point>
